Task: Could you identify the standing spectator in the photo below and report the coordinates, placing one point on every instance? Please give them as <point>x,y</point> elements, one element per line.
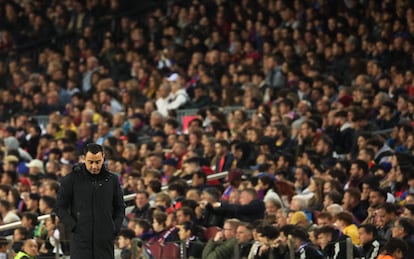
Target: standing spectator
<point>95,200</point>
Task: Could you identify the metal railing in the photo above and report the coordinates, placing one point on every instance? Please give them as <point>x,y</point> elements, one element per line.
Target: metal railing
<point>128,197</point>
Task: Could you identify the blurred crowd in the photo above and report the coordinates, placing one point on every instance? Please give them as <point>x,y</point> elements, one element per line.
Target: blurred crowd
<point>308,106</point>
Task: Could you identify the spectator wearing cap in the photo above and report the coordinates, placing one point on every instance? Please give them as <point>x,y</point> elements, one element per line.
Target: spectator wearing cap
<point>36,169</point>
<point>179,96</point>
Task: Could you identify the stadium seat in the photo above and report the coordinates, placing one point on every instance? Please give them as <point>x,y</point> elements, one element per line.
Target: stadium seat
<point>210,232</point>
<point>156,250</point>
<point>170,251</point>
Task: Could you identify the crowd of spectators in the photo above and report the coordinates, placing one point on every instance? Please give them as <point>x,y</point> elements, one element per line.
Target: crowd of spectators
<point>318,142</point>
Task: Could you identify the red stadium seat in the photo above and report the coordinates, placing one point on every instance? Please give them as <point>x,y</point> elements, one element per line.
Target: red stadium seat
<point>170,251</point>
<point>210,232</point>
<point>156,250</point>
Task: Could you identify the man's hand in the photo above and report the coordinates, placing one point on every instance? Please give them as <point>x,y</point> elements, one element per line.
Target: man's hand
<point>219,236</point>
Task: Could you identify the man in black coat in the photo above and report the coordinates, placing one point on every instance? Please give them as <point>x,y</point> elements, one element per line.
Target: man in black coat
<point>250,208</point>
<point>90,204</point>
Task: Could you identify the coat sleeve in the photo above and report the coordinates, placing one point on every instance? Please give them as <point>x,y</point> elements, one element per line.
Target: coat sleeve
<point>236,209</point>
<point>63,202</point>
<point>225,250</point>
<point>118,205</point>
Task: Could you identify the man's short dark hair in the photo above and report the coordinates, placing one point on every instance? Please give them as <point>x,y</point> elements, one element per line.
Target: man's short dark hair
<point>143,223</point>
<point>31,216</point>
<point>370,229</point>
<point>300,233</point>
<point>389,208</point>
<point>93,148</point>
<point>49,200</point>
<point>127,233</point>
<point>155,185</point>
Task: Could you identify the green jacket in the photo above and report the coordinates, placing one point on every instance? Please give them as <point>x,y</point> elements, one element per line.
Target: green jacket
<point>219,250</point>
<point>23,255</point>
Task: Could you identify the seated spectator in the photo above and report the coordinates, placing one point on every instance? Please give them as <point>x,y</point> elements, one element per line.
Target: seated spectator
<point>333,243</point>
<point>142,229</point>
<point>404,229</point>
<point>162,234</point>
<point>142,207</point>
<point>302,248</point>
<point>223,243</point>
<point>244,236</point>
<point>386,214</point>
<point>267,237</point>
<point>394,248</point>
<point>29,249</point>
<point>345,223</point>
<point>125,237</point>
<point>192,244</point>
<point>370,243</point>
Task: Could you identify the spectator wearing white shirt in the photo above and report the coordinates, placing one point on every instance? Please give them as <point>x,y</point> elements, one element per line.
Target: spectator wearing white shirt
<point>178,96</point>
<point>163,94</point>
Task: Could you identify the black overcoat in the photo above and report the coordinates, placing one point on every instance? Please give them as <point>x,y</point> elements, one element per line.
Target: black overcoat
<point>92,208</point>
